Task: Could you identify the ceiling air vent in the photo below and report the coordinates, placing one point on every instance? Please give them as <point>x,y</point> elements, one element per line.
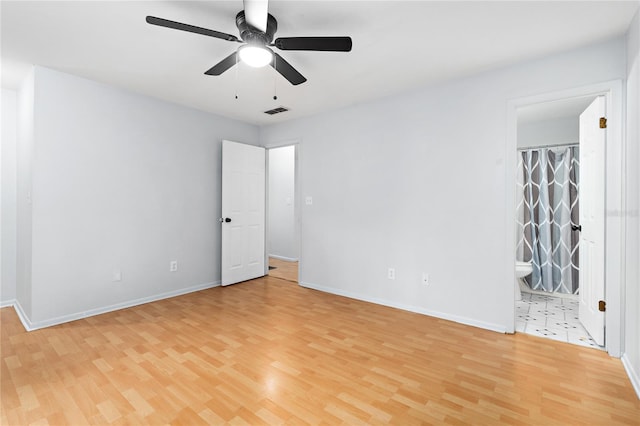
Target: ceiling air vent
<point>276,110</point>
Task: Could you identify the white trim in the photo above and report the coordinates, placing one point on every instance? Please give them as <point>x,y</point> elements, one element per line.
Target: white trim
<point>614,187</point>
<point>22,316</point>
<point>31,326</point>
<point>286,259</point>
<point>634,377</point>
<point>410,308</point>
<point>511,222</point>
<point>7,303</point>
<point>282,144</point>
<point>614,220</point>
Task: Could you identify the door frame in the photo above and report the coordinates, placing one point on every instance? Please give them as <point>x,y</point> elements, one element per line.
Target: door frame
<point>297,206</point>
<point>614,202</point>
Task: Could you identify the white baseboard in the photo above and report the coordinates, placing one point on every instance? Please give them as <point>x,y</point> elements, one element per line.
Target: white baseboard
<point>7,303</point>
<point>633,375</point>
<point>31,326</point>
<point>286,259</point>
<point>24,319</point>
<point>416,309</point>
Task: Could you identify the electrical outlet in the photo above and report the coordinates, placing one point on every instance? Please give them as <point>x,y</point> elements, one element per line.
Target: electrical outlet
<point>391,274</point>
<point>117,276</point>
<point>173,266</point>
<point>425,278</point>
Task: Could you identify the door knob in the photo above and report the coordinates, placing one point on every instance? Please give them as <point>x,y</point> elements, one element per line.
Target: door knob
<point>224,219</point>
<point>576,228</point>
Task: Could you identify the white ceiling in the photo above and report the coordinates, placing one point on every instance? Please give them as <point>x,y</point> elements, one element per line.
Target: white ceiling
<point>397,46</point>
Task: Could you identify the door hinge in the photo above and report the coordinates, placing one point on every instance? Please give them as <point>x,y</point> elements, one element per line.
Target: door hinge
<point>602,305</point>
<point>603,123</point>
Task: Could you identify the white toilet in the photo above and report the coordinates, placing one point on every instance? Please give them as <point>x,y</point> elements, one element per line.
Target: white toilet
<point>522,270</point>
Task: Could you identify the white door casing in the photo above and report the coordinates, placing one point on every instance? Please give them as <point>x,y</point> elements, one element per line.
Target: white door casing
<point>592,220</point>
<point>243,212</point>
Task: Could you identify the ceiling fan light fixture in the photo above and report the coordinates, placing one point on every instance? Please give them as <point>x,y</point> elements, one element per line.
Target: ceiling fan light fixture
<point>255,56</point>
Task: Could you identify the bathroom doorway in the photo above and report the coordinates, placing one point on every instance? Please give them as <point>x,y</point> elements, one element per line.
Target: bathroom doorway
<point>282,213</point>
<point>613,184</point>
<point>549,189</point>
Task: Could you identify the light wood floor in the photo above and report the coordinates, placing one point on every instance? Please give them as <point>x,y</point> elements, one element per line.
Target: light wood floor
<point>283,269</point>
<point>268,352</point>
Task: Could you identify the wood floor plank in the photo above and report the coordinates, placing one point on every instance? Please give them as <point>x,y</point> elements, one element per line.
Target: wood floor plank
<point>283,269</point>
<point>270,352</point>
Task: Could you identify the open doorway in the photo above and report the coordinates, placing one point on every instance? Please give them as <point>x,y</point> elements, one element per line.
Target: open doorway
<point>613,184</point>
<point>282,213</point>
<point>553,141</point>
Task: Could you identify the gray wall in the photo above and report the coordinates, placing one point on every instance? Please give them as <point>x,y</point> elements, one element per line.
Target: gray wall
<point>417,182</point>
<point>631,357</point>
<point>282,241</point>
<point>120,182</point>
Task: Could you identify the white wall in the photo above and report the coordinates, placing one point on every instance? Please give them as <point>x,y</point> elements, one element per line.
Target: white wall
<point>631,357</point>
<point>417,182</point>
<point>282,242</point>
<point>121,182</point>
<point>558,131</point>
<point>8,202</point>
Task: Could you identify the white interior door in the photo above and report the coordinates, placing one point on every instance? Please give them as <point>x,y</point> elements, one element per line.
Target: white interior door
<point>243,212</point>
<point>592,179</point>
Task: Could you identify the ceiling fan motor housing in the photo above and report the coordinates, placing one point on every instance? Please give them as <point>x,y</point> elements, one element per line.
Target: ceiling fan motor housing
<point>251,35</point>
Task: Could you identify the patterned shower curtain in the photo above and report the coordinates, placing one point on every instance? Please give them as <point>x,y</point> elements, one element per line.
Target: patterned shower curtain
<point>548,180</point>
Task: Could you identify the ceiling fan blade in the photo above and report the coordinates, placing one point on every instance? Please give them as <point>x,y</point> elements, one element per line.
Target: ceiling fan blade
<point>329,44</point>
<point>286,70</point>
<point>255,12</point>
<point>189,28</point>
<point>223,65</point>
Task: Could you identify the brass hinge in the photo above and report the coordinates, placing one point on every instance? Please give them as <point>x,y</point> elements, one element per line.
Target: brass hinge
<point>602,305</point>
<point>603,123</point>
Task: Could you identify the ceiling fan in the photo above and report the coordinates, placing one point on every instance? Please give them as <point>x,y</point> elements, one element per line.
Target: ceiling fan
<point>257,28</point>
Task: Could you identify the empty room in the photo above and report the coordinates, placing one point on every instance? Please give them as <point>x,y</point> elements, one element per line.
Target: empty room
<point>320,212</point>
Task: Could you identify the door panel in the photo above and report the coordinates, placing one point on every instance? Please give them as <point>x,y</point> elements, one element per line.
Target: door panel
<point>243,202</point>
<point>592,178</point>
<point>255,254</point>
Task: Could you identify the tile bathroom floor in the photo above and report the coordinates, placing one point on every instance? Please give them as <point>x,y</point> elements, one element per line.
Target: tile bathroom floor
<point>552,317</point>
